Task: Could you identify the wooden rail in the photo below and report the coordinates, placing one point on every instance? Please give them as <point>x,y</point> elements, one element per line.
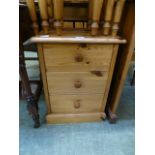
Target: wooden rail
<point>74,39</point>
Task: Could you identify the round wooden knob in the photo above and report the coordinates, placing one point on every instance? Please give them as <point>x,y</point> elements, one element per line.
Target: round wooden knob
<point>77,104</point>
<point>79,58</point>
<point>77,84</point>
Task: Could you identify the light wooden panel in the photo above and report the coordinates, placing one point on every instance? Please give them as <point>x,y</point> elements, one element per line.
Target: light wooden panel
<point>76,103</point>
<point>68,25</point>
<point>74,118</point>
<point>76,58</point>
<point>76,82</point>
<point>79,25</point>
<point>111,70</point>
<point>44,78</point>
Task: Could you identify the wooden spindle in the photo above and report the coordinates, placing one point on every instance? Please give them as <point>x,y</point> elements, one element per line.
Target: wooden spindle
<point>103,12</point>
<point>58,15</point>
<point>32,12</point>
<point>96,12</point>
<point>117,16</point>
<point>50,12</point>
<point>108,16</point>
<point>90,4</point>
<point>44,15</point>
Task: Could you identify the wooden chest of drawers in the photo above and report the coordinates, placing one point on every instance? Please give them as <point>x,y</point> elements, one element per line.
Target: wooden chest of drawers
<point>77,48</point>
<point>76,79</point>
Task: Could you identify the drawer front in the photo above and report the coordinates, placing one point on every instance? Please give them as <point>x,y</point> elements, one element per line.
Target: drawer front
<point>79,82</point>
<point>76,57</point>
<point>76,103</point>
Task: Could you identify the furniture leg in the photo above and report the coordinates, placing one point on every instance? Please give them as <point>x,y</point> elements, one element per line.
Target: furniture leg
<point>112,117</point>
<point>31,102</point>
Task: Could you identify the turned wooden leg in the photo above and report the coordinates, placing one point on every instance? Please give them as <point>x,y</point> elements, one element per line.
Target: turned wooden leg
<point>33,110</point>
<point>31,102</point>
<point>112,117</point>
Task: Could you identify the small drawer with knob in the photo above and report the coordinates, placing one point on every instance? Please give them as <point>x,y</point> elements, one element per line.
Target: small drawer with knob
<point>77,57</point>
<point>76,103</point>
<point>77,82</point>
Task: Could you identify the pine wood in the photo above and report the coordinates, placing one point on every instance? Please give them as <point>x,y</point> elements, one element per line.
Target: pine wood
<point>75,118</point>
<point>77,68</point>
<point>32,11</point>
<point>79,25</point>
<point>117,16</point>
<point>95,57</point>
<point>44,78</point>
<point>44,15</point>
<point>96,12</point>
<point>65,104</point>
<point>50,12</point>
<point>108,16</point>
<point>80,38</point>
<point>111,69</point>
<point>58,15</point>
<point>68,25</point>
<point>65,82</point>
<point>90,5</point>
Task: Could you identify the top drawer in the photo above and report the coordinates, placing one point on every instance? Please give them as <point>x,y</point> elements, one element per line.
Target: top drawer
<point>77,57</point>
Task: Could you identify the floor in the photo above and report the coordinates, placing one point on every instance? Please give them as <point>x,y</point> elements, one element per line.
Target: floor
<point>99,138</point>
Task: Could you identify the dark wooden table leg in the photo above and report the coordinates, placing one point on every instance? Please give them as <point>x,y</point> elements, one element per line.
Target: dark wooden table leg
<point>112,117</point>
<point>133,79</point>
<point>31,101</point>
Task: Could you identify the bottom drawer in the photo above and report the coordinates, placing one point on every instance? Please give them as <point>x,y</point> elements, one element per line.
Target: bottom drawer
<point>76,103</point>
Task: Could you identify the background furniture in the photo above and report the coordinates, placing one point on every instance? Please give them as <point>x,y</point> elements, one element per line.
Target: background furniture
<point>25,84</point>
<point>125,54</point>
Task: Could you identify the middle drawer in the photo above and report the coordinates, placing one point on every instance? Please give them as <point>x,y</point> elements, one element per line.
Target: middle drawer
<point>77,82</point>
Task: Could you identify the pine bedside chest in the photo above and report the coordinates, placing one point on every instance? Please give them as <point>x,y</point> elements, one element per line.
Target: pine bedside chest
<point>77,64</point>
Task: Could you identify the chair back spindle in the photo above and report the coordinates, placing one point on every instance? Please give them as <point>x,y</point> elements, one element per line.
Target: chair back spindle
<point>96,12</point>
<point>90,5</point>
<point>44,15</point>
<point>58,15</point>
<point>50,12</point>
<point>108,16</point>
<point>33,15</point>
<point>117,16</point>
<point>101,13</point>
